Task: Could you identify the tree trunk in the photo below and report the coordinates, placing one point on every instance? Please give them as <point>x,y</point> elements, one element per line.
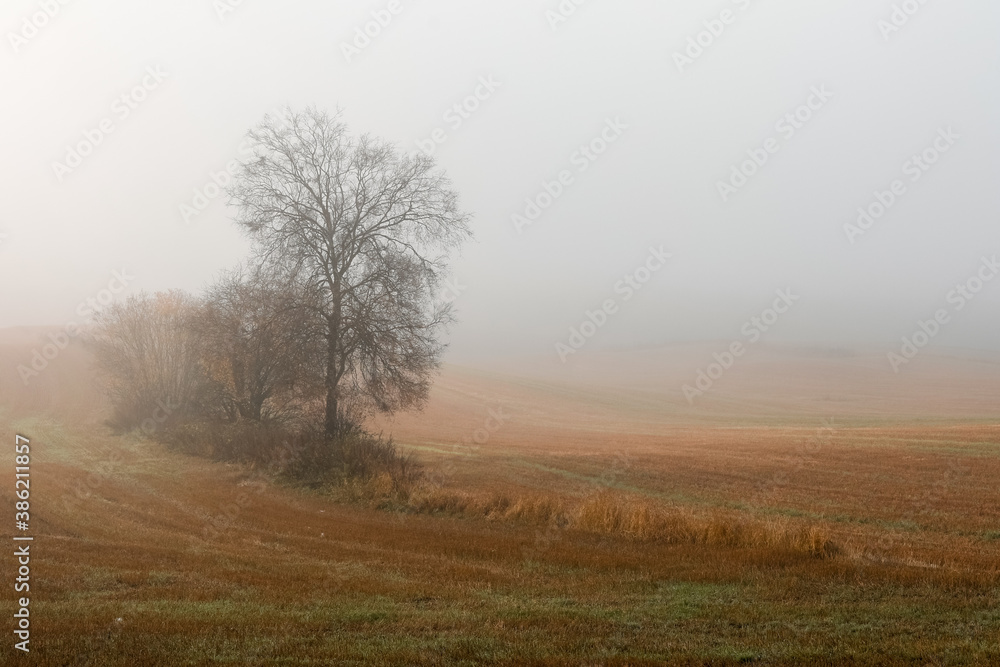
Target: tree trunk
<point>332,412</point>
<point>332,424</point>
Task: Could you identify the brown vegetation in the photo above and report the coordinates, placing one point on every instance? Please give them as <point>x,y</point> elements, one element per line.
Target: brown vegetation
<point>566,537</point>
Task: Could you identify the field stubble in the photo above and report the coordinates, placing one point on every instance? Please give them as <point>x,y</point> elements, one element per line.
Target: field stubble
<point>585,530</point>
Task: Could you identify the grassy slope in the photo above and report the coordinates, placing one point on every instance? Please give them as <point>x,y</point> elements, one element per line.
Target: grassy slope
<point>296,579</point>
<point>126,574</point>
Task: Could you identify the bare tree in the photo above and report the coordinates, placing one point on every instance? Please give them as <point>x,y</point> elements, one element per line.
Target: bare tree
<point>369,229</point>
<point>259,346</point>
<point>149,355</point>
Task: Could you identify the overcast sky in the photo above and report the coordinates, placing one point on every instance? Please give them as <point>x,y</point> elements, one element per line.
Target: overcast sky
<point>867,88</point>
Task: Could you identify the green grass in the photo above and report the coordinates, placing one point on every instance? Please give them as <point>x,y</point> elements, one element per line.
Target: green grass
<point>412,590</point>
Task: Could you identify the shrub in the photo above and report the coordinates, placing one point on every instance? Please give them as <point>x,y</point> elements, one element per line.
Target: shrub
<point>300,454</point>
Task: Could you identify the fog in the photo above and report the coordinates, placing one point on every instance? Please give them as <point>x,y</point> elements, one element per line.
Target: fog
<point>828,106</point>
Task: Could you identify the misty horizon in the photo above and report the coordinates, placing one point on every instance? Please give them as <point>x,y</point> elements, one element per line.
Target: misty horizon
<point>570,332</point>
<point>653,144</point>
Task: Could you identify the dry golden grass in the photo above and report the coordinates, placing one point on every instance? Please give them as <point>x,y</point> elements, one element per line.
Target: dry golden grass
<point>611,514</point>
<point>605,513</point>
<point>586,530</point>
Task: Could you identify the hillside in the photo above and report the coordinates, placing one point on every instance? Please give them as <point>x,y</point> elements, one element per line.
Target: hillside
<point>146,556</point>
